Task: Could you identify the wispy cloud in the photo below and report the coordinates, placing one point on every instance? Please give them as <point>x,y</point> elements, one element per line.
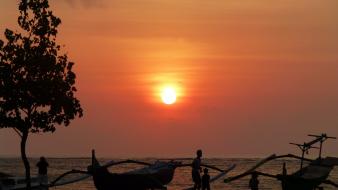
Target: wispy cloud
<point>85,3</point>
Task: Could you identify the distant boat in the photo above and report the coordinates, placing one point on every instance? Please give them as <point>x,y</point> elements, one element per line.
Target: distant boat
<point>306,178</point>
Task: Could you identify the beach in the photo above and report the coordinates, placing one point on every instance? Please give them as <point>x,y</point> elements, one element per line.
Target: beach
<point>182,178</point>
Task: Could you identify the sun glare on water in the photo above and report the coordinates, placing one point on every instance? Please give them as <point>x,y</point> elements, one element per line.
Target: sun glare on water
<point>168,95</point>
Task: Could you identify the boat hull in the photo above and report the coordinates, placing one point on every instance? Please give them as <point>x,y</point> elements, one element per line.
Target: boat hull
<point>308,178</point>
<point>294,183</point>
<point>136,180</point>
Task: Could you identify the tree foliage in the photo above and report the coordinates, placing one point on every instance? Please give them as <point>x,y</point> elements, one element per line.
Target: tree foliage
<point>37,84</point>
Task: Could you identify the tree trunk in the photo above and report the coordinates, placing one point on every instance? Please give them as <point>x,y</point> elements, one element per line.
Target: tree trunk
<point>25,160</point>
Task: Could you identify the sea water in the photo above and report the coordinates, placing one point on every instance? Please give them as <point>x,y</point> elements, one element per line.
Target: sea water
<point>182,178</point>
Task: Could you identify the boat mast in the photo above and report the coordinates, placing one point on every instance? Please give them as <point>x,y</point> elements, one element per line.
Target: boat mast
<point>304,148</point>
<point>308,145</point>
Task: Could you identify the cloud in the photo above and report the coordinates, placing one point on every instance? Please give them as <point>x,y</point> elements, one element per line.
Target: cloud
<point>85,3</point>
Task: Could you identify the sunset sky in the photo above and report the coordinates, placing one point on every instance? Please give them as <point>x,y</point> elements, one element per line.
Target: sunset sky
<point>250,77</point>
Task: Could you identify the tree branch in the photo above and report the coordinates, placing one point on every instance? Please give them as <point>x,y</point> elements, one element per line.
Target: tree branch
<point>24,111</point>
<point>18,132</point>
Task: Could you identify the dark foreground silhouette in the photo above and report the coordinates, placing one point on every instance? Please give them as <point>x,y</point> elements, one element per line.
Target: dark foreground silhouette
<point>37,83</point>
<point>306,178</point>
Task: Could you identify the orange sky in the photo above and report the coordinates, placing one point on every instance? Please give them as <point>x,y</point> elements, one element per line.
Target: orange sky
<point>252,76</point>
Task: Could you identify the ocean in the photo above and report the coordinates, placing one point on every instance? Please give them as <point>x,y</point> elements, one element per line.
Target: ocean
<point>182,177</point>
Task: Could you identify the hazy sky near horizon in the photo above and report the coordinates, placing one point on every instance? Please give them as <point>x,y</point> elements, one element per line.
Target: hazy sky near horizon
<point>251,76</point>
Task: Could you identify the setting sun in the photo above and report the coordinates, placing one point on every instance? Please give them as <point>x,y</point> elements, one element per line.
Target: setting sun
<point>168,95</point>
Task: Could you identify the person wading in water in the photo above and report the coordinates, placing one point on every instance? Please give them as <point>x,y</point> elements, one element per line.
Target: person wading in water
<point>196,170</point>
<point>254,182</point>
<point>43,165</point>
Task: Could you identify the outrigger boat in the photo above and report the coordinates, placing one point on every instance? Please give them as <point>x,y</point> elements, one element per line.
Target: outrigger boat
<point>309,177</point>
<point>153,176</point>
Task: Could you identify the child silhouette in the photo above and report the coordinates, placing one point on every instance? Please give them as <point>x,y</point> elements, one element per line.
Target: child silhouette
<point>206,180</point>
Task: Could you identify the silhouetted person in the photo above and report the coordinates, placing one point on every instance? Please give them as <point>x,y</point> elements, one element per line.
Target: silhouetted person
<point>284,170</point>
<point>43,165</point>
<point>284,174</point>
<point>206,180</point>
<point>253,184</point>
<point>196,170</point>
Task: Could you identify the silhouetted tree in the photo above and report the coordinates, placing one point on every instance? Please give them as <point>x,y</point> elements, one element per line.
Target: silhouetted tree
<point>36,80</point>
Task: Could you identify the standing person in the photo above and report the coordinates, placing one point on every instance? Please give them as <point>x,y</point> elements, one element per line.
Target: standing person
<point>43,165</point>
<point>206,180</point>
<point>284,174</point>
<point>196,170</point>
<point>253,184</point>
